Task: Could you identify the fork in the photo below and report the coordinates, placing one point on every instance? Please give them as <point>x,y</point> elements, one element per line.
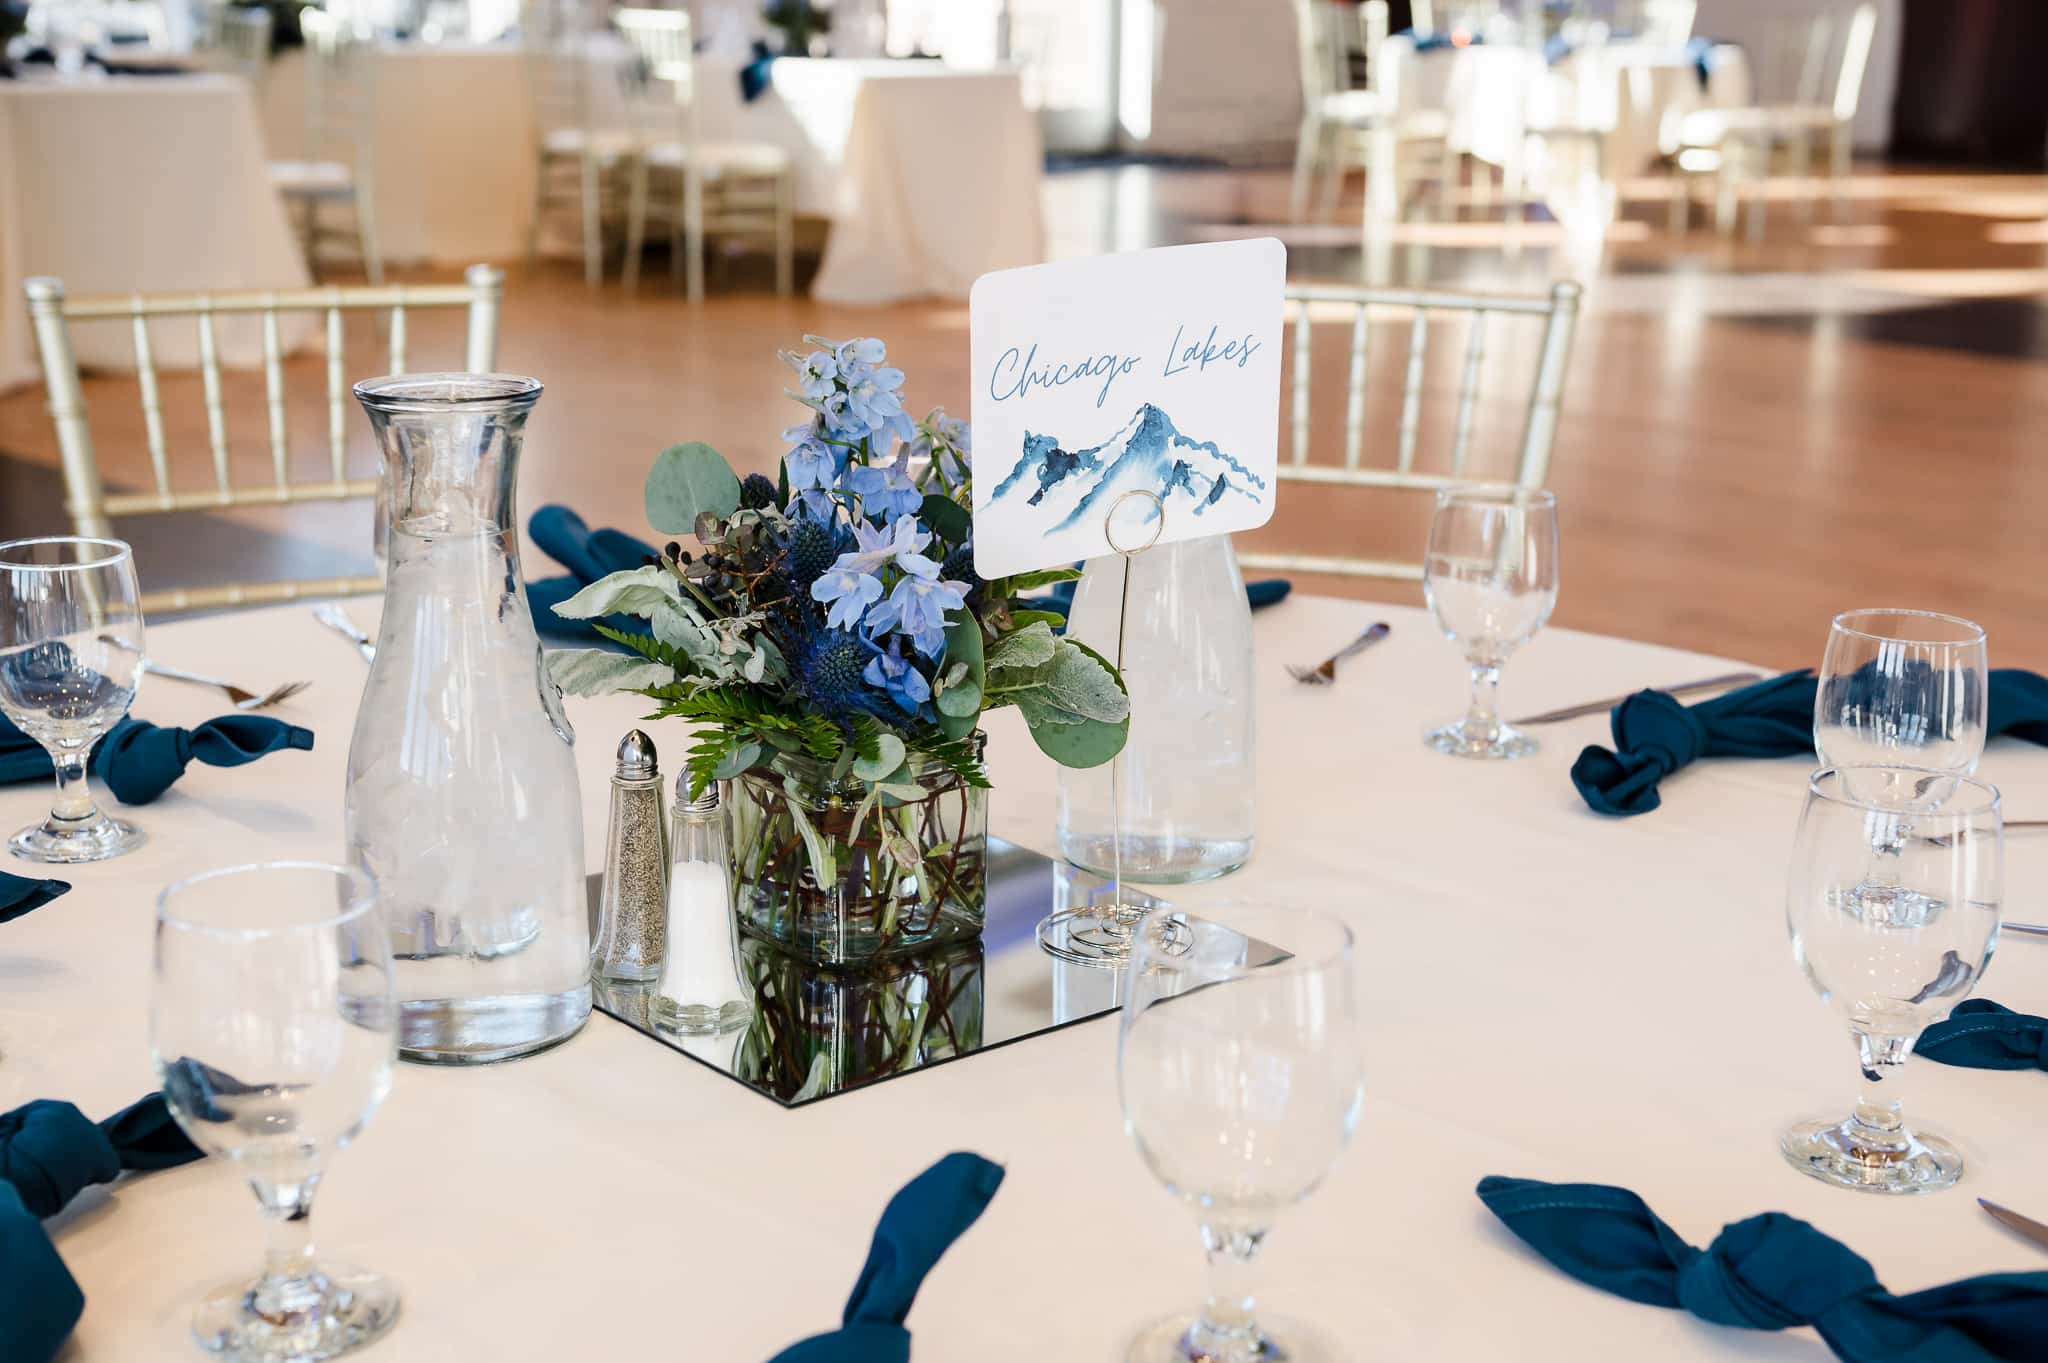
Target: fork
<point>243,698</point>
<point>1325,672</point>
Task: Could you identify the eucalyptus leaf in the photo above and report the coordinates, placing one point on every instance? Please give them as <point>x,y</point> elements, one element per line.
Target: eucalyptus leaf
<point>963,645</point>
<point>960,702</point>
<point>885,762</point>
<point>740,758</point>
<point>1089,743</point>
<point>904,792</point>
<point>947,518</point>
<point>1031,646</point>
<point>687,481</point>
<point>1079,681</point>
<point>599,671</point>
<point>1039,710</point>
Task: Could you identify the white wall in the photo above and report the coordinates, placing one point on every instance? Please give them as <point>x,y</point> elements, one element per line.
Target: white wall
<point>1228,77</point>
<point>1748,21</point>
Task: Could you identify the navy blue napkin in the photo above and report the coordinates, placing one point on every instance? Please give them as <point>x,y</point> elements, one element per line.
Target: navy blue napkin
<point>1984,1035</point>
<point>49,1153</point>
<point>920,1223</point>
<point>1655,735</point>
<point>1772,1272</point>
<point>19,894</point>
<point>1258,595</point>
<point>588,555</point>
<point>139,760</point>
<point>755,76</point>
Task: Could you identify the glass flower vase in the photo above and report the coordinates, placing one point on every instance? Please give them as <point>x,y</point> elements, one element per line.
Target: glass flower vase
<point>462,798</point>
<point>912,875</point>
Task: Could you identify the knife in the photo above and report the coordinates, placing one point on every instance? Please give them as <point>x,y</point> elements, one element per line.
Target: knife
<point>1594,707</point>
<point>337,620</point>
<point>2030,929</point>
<point>2012,1220</point>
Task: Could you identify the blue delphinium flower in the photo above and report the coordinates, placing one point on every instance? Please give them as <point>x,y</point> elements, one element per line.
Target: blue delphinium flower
<point>849,590</point>
<point>886,491</point>
<point>817,373</point>
<point>811,463</point>
<point>903,683</point>
<point>917,607</point>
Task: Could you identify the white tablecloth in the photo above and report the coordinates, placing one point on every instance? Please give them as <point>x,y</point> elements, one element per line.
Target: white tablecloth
<point>1633,94</point>
<point>135,183</point>
<point>1547,993</point>
<point>930,175</point>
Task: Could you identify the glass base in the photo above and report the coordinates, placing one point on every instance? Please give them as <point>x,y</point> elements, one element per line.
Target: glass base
<point>1504,744</point>
<point>1839,1152</point>
<point>62,842</point>
<point>1173,1339</point>
<point>343,1308</point>
<point>697,1019</point>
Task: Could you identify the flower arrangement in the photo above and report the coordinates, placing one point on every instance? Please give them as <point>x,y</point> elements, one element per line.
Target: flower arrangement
<point>830,636</point>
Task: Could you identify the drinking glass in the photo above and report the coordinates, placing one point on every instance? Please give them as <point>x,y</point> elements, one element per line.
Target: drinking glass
<point>1889,965</point>
<point>1240,1071</point>
<point>1902,688</point>
<point>1490,574</point>
<point>70,656</point>
<point>274,1030</point>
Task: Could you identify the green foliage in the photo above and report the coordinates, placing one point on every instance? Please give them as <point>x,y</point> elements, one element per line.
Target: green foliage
<point>963,645</point>
<point>647,646</point>
<point>1029,647</point>
<point>948,518</point>
<point>742,717</point>
<point>1045,577</point>
<point>1076,706</point>
<point>688,481</point>
<point>957,755</point>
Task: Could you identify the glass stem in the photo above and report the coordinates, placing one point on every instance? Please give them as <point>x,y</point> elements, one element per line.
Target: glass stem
<point>1876,1121</point>
<point>73,804</point>
<point>1482,721</point>
<point>289,1289</point>
<point>1226,1331</point>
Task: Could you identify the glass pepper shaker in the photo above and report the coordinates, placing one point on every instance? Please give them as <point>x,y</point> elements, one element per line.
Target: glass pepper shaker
<point>632,929</point>
<point>701,992</point>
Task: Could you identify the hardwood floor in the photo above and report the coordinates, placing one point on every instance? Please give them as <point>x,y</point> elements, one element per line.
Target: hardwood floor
<point>1753,437</point>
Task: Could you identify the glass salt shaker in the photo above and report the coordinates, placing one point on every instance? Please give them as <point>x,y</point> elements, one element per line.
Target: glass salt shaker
<point>701,992</point>
<point>632,922</point>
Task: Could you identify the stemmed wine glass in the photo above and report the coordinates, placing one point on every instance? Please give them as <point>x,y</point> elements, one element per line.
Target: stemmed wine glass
<point>1490,574</point>
<point>1240,1070</point>
<point>70,655</point>
<point>1891,964</point>
<point>274,1031</point>
<point>1902,688</point>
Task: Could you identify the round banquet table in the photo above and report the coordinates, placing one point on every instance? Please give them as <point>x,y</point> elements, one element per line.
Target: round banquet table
<point>151,184</point>
<point>1546,993</point>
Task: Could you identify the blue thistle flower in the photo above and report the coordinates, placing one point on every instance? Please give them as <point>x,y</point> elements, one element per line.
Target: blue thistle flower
<point>828,672</point>
<point>756,491</point>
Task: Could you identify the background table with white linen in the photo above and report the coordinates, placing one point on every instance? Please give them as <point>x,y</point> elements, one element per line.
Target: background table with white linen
<point>929,174</point>
<point>1546,993</point>
<point>126,184</point>
<point>1633,94</point>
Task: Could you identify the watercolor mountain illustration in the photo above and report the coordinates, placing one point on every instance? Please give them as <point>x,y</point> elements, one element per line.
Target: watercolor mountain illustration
<point>1148,453</point>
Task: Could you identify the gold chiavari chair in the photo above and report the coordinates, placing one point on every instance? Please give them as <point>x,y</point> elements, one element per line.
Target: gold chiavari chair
<point>1559,313</point>
<point>341,110</point>
<point>577,160</point>
<point>92,507</point>
<point>1345,121</point>
<point>733,188</point>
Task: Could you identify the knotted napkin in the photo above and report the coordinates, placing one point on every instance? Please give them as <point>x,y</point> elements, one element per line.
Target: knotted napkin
<point>920,1223</point>
<point>139,760</point>
<point>49,1153</point>
<point>1654,735</point>
<point>588,555</point>
<point>1772,1272</point>
<point>19,894</point>
<point>1987,1036</point>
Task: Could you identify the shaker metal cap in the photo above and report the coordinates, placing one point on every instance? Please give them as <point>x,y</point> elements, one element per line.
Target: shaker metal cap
<point>637,761</point>
<point>703,804</point>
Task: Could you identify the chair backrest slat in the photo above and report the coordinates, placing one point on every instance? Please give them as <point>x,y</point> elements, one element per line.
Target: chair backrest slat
<point>1856,40</point>
<point>1558,312</point>
<point>86,498</point>
<point>152,407</point>
<point>1468,392</point>
<point>1354,406</point>
<point>273,397</point>
<point>216,414</point>
<point>337,391</point>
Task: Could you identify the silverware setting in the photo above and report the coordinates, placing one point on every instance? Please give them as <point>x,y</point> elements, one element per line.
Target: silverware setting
<point>243,698</point>
<point>336,619</point>
<point>2023,1225</point>
<point>1726,682</point>
<point>1325,672</point>
<point>2028,929</point>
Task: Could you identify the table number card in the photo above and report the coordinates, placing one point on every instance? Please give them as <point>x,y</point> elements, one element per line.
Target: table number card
<point>1156,371</point>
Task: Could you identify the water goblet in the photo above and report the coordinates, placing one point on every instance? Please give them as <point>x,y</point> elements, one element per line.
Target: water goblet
<point>1490,574</point>
<point>274,1030</point>
<point>70,657</point>
<point>1902,688</point>
<point>1890,965</point>
<point>1240,1071</point>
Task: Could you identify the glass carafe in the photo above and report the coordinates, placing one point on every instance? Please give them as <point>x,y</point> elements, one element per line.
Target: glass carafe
<point>462,796</point>
<point>1185,776</point>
